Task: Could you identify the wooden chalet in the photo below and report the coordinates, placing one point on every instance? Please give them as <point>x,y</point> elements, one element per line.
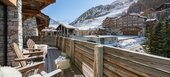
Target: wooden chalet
<point>129,24</point>
<point>163,12</point>
<point>148,12</point>
<point>13,13</point>
<point>65,30</point>
<point>163,7</point>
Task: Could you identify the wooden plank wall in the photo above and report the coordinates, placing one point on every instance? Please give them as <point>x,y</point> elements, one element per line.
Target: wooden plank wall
<point>84,57</point>
<point>67,45</point>
<point>116,62</point>
<point>50,40</point>
<point>124,63</point>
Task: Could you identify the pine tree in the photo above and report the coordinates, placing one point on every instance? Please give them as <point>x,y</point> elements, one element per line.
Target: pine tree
<point>149,38</point>
<point>162,40</point>
<point>167,25</point>
<point>156,46</point>
<point>158,39</point>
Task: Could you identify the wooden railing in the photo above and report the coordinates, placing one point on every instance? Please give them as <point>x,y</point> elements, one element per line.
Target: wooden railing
<point>103,61</point>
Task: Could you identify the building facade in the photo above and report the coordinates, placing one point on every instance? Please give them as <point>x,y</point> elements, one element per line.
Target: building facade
<point>65,30</point>
<point>162,12</point>
<point>129,24</point>
<point>13,13</point>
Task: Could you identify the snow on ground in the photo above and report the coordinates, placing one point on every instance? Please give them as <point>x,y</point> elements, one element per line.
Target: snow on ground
<point>133,44</point>
<point>100,36</point>
<point>123,37</point>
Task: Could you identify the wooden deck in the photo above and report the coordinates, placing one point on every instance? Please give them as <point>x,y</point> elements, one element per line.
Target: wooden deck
<point>72,72</point>
<point>54,53</point>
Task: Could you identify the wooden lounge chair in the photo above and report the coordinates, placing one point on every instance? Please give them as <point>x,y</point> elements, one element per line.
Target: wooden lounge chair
<point>21,58</point>
<point>31,44</point>
<point>32,47</point>
<point>27,62</point>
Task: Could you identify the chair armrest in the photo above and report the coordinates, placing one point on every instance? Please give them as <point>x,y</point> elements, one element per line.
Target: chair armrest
<point>22,59</point>
<point>55,72</point>
<point>30,67</point>
<point>26,59</point>
<point>33,53</point>
<point>33,49</point>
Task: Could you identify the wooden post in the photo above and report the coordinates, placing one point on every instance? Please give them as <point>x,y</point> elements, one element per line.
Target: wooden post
<point>56,41</point>
<point>98,61</point>
<point>61,31</point>
<point>72,49</point>
<point>59,42</point>
<point>63,44</point>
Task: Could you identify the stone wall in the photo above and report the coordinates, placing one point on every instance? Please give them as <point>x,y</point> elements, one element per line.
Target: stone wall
<point>30,27</point>
<point>14,30</point>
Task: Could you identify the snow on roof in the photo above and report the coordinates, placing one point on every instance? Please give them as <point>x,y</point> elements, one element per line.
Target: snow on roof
<point>99,36</point>
<point>133,14</point>
<point>53,25</point>
<point>151,20</point>
<point>67,25</point>
<point>136,14</point>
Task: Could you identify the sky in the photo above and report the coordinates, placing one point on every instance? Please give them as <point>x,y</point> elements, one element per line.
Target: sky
<point>68,10</point>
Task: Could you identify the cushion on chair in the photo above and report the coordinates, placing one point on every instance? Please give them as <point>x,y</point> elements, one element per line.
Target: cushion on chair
<point>9,72</point>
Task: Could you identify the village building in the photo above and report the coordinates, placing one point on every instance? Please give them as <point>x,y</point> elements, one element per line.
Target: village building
<point>162,12</point>
<point>65,30</point>
<point>15,16</point>
<point>86,32</point>
<point>129,24</point>
<point>48,32</point>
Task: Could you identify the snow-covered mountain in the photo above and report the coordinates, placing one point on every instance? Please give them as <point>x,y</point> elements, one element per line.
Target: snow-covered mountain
<point>93,17</point>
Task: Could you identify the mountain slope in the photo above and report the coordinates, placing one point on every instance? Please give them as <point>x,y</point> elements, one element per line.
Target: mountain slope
<point>142,5</point>
<point>93,17</point>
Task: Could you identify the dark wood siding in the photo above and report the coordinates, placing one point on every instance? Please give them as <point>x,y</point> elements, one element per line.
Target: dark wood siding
<point>3,22</point>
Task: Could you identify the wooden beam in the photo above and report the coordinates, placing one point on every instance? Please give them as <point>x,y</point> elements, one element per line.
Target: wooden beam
<point>32,12</point>
<point>98,61</point>
<point>43,1</point>
<point>9,2</point>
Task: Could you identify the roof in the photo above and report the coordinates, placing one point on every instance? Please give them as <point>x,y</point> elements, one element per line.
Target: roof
<point>66,26</point>
<point>9,2</point>
<point>151,20</point>
<point>132,14</point>
<point>163,6</point>
<point>136,14</point>
<point>33,7</point>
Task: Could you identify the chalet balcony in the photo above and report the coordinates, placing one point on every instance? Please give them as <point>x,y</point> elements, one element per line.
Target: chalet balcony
<point>94,60</point>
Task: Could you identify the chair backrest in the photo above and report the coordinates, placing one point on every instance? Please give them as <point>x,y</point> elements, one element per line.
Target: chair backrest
<point>30,43</point>
<point>19,54</point>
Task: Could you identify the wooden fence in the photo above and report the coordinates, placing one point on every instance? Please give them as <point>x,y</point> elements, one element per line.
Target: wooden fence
<point>103,61</point>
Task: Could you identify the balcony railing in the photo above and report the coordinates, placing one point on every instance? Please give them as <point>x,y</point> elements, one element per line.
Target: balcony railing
<point>99,61</point>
